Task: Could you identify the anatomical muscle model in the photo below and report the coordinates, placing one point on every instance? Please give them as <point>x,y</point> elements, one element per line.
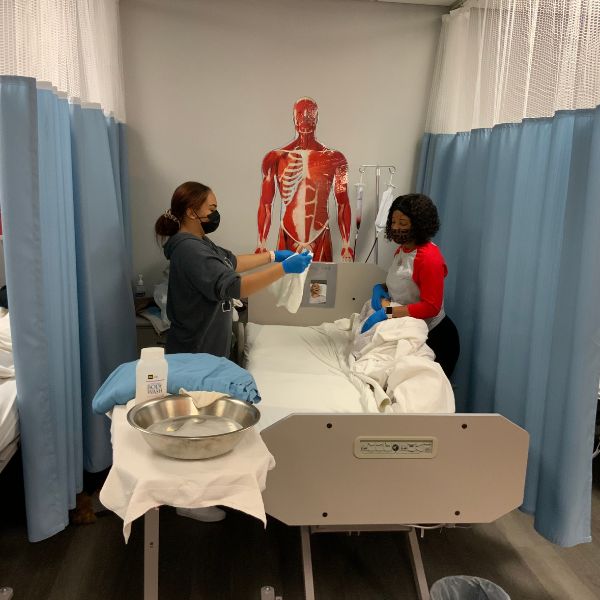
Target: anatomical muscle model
<point>304,172</point>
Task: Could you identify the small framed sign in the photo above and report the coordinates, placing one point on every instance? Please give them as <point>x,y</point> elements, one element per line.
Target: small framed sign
<point>320,285</point>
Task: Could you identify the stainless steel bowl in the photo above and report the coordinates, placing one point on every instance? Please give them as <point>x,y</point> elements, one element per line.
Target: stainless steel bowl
<point>174,427</point>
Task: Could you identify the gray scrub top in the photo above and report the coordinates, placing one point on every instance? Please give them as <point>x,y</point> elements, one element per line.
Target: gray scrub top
<point>202,284</point>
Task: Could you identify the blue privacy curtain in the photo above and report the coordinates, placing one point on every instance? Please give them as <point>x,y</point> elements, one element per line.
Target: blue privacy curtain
<point>66,240</point>
<point>520,212</point>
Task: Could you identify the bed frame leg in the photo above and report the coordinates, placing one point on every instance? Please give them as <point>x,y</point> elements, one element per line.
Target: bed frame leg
<point>309,587</point>
<point>151,524</point>
<point>417,566</point>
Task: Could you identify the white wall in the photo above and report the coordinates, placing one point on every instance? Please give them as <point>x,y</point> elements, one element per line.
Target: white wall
<point>210,86</point>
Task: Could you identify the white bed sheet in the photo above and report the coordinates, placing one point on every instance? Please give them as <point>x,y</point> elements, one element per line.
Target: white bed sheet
<point>312,370</point>
<point>314,386</point>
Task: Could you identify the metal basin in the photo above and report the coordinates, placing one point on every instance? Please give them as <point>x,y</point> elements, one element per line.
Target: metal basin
<point>174,427</point>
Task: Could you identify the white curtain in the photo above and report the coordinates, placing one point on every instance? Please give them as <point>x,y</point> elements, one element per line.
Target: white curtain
<point>500,61</point>
<point>72,44</point>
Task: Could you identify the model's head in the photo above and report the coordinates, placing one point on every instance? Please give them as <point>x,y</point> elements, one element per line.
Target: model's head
<point>306,115</point>
<point>413,218</point>
<point>191,201</point>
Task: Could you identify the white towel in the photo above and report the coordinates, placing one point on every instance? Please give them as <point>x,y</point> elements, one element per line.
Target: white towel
<point>202,399</point>
<point>288,290</point>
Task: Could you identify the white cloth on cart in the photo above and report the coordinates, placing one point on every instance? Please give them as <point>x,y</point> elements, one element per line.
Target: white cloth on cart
<point>141,479</point>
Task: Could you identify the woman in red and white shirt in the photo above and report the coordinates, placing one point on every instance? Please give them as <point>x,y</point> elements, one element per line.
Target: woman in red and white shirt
<point>415,279</point>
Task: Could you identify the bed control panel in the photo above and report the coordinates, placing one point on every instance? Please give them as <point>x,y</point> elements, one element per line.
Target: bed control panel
<point>395,447</point>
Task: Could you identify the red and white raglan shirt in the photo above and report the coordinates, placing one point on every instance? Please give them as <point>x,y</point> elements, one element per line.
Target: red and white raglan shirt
<point>416,280</point>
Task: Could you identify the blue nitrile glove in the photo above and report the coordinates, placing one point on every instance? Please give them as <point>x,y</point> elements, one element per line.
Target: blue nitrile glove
<point>376,317</point>
<point>281,255</point>
<point>297,263</point>
<point>378,294</point>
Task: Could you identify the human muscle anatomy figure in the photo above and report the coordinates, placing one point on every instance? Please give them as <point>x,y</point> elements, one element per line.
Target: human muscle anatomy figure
<point>304,172</point>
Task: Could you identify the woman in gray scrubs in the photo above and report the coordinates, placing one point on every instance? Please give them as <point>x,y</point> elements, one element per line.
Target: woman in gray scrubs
<point>205,278</point>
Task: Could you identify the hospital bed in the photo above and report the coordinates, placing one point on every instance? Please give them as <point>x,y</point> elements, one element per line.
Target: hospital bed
<point>342,468</point>
<point>9,418</point>
<point>338,466</point>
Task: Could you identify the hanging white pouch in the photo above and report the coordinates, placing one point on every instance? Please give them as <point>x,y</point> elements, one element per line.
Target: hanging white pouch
<point>384,208</point>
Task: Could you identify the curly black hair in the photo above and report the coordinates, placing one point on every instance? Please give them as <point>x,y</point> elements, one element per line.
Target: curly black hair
<point>422,213</point>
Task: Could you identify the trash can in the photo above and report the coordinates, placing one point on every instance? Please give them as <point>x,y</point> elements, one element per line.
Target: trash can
<point>464,587</point>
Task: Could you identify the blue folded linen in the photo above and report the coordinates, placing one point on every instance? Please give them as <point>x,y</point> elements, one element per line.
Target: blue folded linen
<point>189,371</point>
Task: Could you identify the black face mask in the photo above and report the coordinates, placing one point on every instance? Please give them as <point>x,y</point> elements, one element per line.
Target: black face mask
<point>213,222</point>
<point>402,237</point>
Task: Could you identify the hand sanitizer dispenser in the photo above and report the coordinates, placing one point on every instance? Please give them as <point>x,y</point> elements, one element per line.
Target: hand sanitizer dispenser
<point>140,288</point>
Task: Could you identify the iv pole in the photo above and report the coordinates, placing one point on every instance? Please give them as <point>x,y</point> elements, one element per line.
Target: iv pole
<point>392,170</point>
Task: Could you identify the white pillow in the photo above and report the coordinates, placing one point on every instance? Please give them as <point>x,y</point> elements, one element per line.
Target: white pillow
<point>7,367</point>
